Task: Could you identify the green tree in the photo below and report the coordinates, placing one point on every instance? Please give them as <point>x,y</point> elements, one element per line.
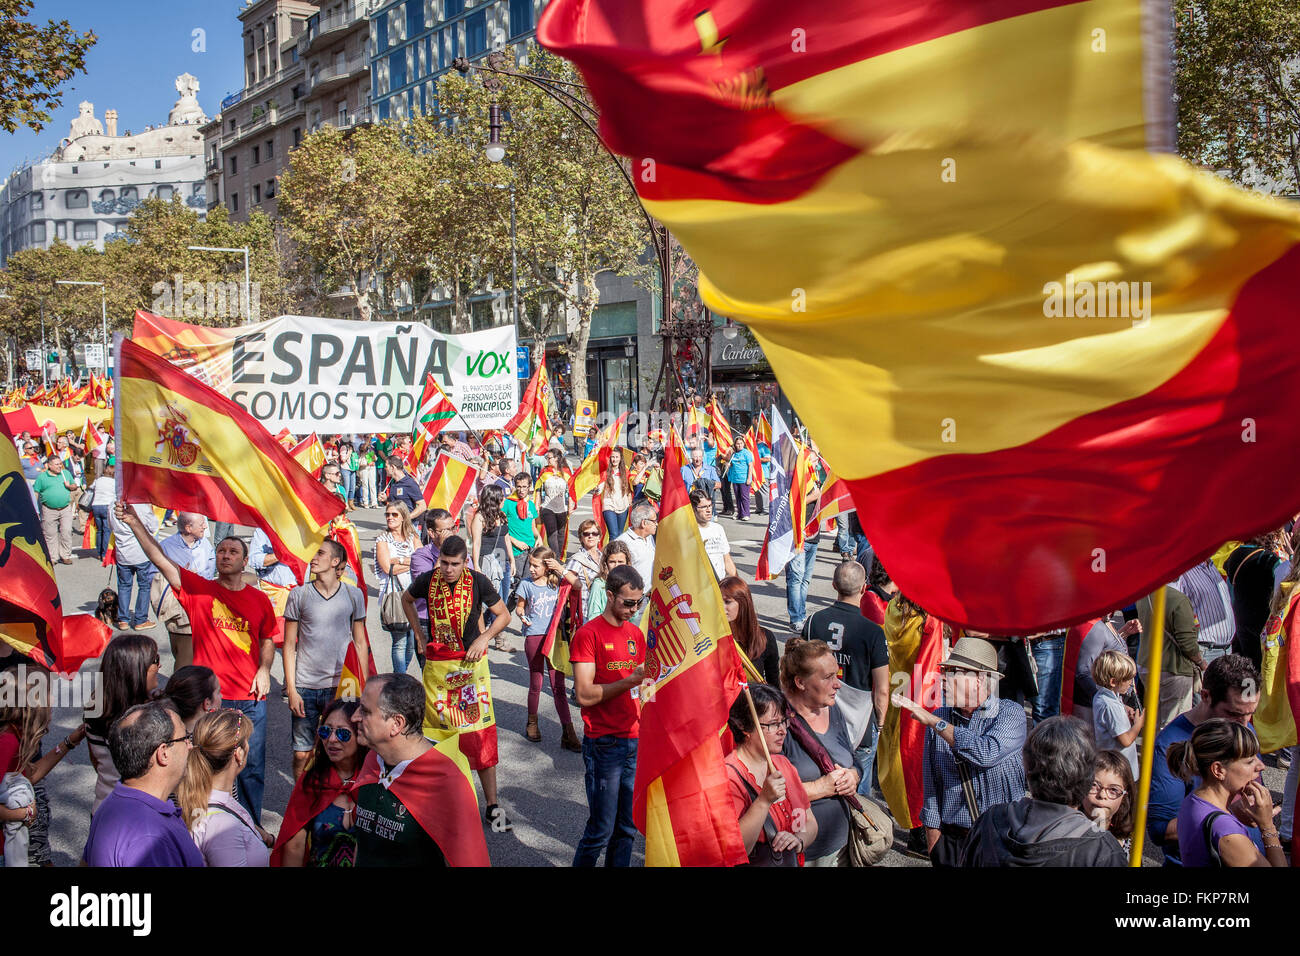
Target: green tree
<point>576,214</point>
<point>34,63</point>
<point>1237,87</point>
<point>346,198</point>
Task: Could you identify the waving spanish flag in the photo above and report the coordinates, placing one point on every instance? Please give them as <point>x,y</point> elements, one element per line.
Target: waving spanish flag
<point>530,424</point>
<point>181,442</point>
<point>310,453</point>
<point>1010,327</point>
<point>723,440</point>
<point>680,800</point>
<point>450,484</point>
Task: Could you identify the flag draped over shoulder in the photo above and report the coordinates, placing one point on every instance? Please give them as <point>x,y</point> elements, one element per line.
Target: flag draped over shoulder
<point>681,800</point>
<point>182,443</point>
<point>1274,720</point>
<point>915,648</point>
<point>1013,329</point>
<point>32,621</point>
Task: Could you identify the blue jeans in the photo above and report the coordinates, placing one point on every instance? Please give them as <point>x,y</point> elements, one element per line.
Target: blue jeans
<point>101,529</point>
<point>843,539</point>
<point>403,649</point>
<point>615,522</point>
<point>864,758</point>
<point>798,573</point>
<point>611,771</point>
<point>141,575</point>
<point>1049,656</point>
<point>349,484</point>
<point>251,782</point>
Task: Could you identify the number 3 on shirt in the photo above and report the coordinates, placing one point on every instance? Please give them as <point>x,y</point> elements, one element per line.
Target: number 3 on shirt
<point>837,636</point>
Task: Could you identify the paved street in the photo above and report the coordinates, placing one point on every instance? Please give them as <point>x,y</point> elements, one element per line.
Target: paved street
<point>541,786</point>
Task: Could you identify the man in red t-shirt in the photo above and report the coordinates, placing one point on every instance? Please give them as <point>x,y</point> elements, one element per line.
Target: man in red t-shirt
<point>608,656</point>
<point>233,623</point>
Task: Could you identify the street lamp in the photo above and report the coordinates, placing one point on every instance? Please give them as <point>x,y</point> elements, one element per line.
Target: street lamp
<point>244,249</point>
<point>103,315</point>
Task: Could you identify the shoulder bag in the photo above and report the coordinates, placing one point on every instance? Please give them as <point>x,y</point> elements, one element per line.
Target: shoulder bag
<point>871,831</point>
<point>763,854</point>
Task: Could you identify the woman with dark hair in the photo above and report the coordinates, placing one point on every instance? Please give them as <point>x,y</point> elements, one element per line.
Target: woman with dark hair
<point>318,820</point>
<point>776,819</point>
<point>615,494</point>
<point>1224,756</point>
<point>128,676</point>
<point>755,640</point>
<point>552,491</point>
<point>1109,802</point>
<point>491,547</point>
<point>195,690</point>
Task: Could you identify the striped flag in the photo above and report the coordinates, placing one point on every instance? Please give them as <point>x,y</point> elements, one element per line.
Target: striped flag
<point>450,484</point>
<point>835,500</point>
<point>183,443</point>
<point>723,440</point>
<point>681,800</point>
<point>530,424</point>
<point>785,511</point>
<point>1005,289</point>
<point>434,414</point>
<point>310,453</point>
<point>750,442</point>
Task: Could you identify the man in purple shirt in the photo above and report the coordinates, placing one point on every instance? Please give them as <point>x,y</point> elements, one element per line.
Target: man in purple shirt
<point>137,825</point>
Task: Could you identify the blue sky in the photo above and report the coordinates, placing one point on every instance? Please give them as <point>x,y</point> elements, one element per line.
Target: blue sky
<point>143,46</point>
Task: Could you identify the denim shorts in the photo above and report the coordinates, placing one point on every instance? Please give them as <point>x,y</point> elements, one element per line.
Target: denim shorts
<point>302,730</point>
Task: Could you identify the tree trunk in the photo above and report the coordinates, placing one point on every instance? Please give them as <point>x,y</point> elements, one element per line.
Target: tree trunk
<point>578,340</point>
<point>364,307</point>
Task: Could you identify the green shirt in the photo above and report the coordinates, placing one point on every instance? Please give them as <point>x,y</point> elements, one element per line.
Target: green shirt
<point>53,490</point>
<point>521,529</point>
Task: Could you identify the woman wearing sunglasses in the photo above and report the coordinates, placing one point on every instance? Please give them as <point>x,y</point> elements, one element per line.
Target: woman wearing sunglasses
<point>318,820</point>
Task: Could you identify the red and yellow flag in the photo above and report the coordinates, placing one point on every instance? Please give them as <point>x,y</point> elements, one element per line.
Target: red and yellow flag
<point>915,643</point>
<point>750,442</point>
<point>681,800</point>
<point>450,484</point>
<point>999,296</point>
<point>310,453</point>
<point>591,473</point>
<point>32,621</point>
<point>530,424</point>
<point>182,444</point>
<point>723,439</point>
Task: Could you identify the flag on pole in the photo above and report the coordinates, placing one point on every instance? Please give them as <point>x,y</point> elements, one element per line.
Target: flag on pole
<point>835,500</point>
<point>1000,272</point>
<point>750,441</point>
<point>681,800</point>
<point>310,453</point>
<point>723,440</point>
<point>450,484</point>
<point>785,509</point>
<point>591,473</point>
<point>434,414</point>
<point>181,442</point>
<point>352,679</point>
<point>32,621</point>
<point>91,437</point>
<point>530,424</point>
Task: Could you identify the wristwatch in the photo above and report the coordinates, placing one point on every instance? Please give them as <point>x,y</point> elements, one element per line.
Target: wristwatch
<point>941,726</point>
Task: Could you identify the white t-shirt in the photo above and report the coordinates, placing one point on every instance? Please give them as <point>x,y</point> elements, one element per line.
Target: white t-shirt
<point>105,489</point>
<point>643,554</point>
<point>715,546</point>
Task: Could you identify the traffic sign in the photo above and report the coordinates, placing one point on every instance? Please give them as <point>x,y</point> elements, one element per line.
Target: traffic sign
<point>94,356</point>
<point>585,418</point>
<point>521,358</point>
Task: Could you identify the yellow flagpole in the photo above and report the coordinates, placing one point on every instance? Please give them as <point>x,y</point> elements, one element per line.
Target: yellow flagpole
<point>1149,726</point>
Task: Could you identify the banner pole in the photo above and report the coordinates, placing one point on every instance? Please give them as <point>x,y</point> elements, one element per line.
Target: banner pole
<point>1149,726</point>
<point>758,729</point>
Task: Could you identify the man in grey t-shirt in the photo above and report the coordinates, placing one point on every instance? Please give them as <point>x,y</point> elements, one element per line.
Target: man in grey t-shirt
<point>321,618</point>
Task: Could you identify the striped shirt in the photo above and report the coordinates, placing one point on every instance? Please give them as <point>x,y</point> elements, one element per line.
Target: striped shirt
<point>1211,601</point>
<point>990,741</point>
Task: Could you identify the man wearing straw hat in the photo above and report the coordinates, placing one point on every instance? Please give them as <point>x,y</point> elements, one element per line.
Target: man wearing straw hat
<point>973,744</point>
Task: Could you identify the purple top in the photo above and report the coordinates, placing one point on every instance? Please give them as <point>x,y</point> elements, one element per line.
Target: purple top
<point>132,828</point>
<point>1191,820</point>
<point>226,835</point>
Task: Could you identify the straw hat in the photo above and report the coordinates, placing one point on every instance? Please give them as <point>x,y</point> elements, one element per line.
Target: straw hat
<point>973,654</point>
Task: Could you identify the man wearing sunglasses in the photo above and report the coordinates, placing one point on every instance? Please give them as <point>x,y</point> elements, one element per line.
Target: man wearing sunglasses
<point>138,824</point>
<point>608,656</point>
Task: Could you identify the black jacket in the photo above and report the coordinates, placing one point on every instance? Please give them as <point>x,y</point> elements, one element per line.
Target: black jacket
<point>1036,833</point>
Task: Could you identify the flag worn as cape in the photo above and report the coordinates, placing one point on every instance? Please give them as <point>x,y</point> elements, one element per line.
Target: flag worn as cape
<point>915,649</point>
<point>999,272</point>
<point>681,800</point>
<point>304,806</point>
<point>183,443</point>
<point>435,789</point>
<point>32,621</point>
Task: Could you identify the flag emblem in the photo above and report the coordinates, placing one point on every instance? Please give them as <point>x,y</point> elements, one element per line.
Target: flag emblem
<point>465,700</point>
<point>175,436</point>
<point>669,636</point>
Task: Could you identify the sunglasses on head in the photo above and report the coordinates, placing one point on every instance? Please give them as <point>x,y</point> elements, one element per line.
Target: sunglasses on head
<point>342,733</point>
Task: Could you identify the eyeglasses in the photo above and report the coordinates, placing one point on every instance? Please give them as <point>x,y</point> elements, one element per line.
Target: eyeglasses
<point>392,514</point>
<point>783,723</point>
<point>630,602</point>
<point>342,733</point>
<point>1109,793</point>
<point>188,738</point>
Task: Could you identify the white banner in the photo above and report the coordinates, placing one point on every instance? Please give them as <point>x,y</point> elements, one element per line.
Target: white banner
<point>337,376</point>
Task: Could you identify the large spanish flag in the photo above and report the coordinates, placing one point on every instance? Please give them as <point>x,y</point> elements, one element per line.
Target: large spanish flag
<point>183,445</point>
<point>915,649</point>
<point>32,621</point>
<point>1037,349</point>
<point>681,800</point>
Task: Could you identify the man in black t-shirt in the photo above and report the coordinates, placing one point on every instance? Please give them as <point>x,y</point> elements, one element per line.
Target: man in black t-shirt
<point>402,487</point>
<point>860,650</point>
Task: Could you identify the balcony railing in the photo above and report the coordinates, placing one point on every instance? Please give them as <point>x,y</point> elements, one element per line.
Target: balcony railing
<point>335,72</point>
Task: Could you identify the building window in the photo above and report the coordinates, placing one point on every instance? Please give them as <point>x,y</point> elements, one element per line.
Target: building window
<point>396,69</point>
<point>107,195</point>
<point>476,33</point>
<point>521,17</point>
<point>128,194</point>
<point>270,148</point>
<point>234,165</point>
<point>270,189</point>
<point>414,18</point>
<point>454,33</point>
<point>452,7</point>
<point>297,135</point>
<point>257,194</point>
<point>76,199</point>
<point>157,164</point>
<point>82,231</point>
<point>38,232</point>
<point>61,230</point>
<point>257,153</point>
<point>164,193</point>
<point>38,201</point>
<point>381,34</point>
<point>234,202</point>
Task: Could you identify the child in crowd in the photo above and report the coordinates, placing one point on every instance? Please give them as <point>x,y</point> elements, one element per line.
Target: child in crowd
<point>536,596</point>
<point>1109,802</point>
<point>1115,726</point>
